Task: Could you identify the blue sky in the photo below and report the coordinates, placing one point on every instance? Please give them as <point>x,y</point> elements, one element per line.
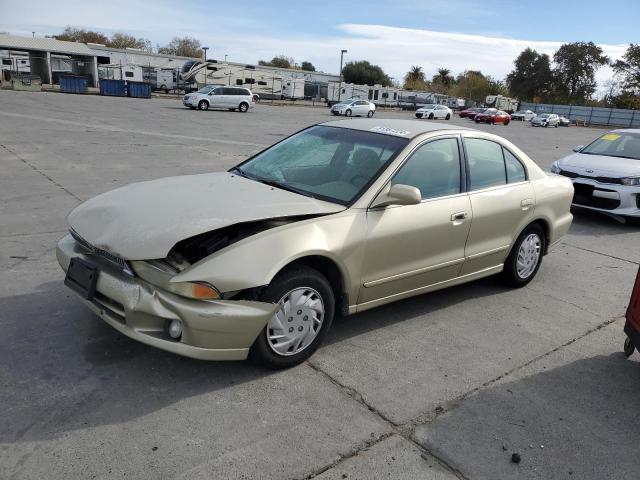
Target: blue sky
<point>456,34</point>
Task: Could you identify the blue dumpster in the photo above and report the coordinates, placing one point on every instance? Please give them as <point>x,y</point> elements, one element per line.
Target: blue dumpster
<point>113,88</point>
<point>74,84</point>
<point>138,89</point>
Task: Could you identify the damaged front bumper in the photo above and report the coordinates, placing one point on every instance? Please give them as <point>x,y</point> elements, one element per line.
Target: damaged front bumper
<point>212,329</point>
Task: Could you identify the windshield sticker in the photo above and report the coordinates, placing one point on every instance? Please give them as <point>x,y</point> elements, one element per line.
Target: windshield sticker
<point>610,137</point>
<point>389,131</point>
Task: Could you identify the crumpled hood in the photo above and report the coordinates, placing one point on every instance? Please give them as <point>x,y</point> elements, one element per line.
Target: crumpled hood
<point>600,165</point>
<point>145,220</point>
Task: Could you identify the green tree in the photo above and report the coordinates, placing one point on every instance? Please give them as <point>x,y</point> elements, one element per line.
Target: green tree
<point>364,73</point>
<point>472,84</point>
<point>575,69</point>
<point>73,34</point>
<point>497,87</point>
<point>307,66</point>
<point>281,61</point>
<point>124,40</point>
<point>415,79</point>
<point>442,81</point>
<point>183,47</point>
<point>531,77</point>
<point>628,68</point>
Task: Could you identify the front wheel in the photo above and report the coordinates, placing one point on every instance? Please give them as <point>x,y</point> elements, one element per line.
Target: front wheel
<point>243,107</point>
<point>431,116</point>
<point>297,329</point>
<point>629,347</point>
<point>203,105</point>
<point>370,113</point>
<point>348,113</point>
<point>525,257</point>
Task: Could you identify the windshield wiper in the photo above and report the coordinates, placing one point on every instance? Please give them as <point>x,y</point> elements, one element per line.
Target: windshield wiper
<point>273,183</point>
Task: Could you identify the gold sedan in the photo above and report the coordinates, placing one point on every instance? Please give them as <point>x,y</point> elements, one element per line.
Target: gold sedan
<point>340,217</point>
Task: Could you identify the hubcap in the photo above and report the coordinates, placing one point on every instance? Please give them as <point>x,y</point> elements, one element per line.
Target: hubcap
<point>528,255</point>
<point>297,323</point>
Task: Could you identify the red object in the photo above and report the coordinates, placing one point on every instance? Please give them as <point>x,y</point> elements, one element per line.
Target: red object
<point>493,116</point>
<point>469,112</point>
<point>632,326</point>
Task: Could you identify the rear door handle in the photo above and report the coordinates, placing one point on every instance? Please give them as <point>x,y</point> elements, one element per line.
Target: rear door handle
<point>456,217</point>
<point>526,203</point>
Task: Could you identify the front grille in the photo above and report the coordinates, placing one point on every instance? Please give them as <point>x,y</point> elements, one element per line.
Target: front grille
<point>583,195</point>
<point>99,252</point>
<point>610,180</point>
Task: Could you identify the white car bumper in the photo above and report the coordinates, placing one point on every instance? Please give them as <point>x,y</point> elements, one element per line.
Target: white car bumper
<point>607,198</point>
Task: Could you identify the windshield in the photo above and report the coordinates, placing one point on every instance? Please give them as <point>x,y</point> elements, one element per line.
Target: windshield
<point>207,89</point>
<point>615,144</point>
<point>329,163</point>
<point>428,106</point>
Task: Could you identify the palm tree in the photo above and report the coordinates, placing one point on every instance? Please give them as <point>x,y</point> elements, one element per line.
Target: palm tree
<point>443,77</point>
<point>415,74</point>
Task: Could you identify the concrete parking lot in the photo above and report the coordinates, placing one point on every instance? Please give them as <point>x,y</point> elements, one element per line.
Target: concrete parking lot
<point>442,386</point>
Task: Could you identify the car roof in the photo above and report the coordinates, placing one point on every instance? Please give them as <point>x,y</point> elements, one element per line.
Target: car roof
<point>628,130</point>
<point>395,127</point>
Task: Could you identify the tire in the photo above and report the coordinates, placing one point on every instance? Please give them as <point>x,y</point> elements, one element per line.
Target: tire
<point>370,113</point>
<point>476,120</point>
<point>431,116</point>
<point>512,276</point>
<point>506,122</point>
<point>448,117</point>
<point>243,107</point>
<point>264,351</point>
<point>629,347</point>
<point>203,105</point>
<point>556,125</point>
<point>347,113</point>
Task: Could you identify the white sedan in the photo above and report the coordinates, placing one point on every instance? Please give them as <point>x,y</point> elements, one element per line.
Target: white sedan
<point>432,111</point>
<point>523,115</point>
<point>606,173</point>
<point>354,107</point>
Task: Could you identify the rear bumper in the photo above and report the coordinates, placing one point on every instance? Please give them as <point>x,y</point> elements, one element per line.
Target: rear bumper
<point>212,330</point>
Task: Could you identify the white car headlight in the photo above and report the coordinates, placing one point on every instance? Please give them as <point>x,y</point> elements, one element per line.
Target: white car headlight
<point>630,181</point>
<point>555,168</point>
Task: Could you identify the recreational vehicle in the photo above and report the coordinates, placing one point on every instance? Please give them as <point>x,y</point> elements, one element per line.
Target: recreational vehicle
<point>500,102</point>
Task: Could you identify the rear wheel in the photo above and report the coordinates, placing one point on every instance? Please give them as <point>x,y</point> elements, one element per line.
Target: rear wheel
<point>629,347</point>
<point>525,257</point>
<point>243,107</point>
<point>448,117</point>
<point>506,122</point>
<point>297,329</point>
<point>203,105</point>
<point>370,113</point>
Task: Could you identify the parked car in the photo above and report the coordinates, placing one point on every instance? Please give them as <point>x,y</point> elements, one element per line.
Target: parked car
<point>606,173</point>
<point>431,111</point>
<point>564,121</point>
<point>342,216</point>
<point>480,111</point>
<point>354,107</point>
<point>493,116</point>
<point>546,120</point>
<point>230,98</point>
<point>523,115</point>
<point>469,112</point>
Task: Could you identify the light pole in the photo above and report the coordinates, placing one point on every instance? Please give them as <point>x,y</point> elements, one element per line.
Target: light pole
<point>204,49</point>
<point>225,58</point>
<point>342,52</point>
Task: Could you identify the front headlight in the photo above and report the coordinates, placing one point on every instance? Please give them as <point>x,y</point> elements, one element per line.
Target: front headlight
<point>630,181</point>
<point>159,274</point>
<point>555,168</point>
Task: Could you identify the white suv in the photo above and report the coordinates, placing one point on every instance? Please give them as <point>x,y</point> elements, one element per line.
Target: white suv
<point>230,98</point>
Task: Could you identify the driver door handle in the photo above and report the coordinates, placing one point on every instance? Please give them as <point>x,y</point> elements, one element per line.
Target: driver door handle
<point>456,217</point>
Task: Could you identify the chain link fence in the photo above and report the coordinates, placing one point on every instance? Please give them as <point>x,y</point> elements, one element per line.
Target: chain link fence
<point>615,117</point>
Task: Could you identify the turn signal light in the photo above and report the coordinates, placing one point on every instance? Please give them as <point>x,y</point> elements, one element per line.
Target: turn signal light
<point>197,290</point>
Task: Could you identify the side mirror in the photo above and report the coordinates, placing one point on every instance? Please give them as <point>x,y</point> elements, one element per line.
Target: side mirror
<point>398,194</point>
<point>578,148</point>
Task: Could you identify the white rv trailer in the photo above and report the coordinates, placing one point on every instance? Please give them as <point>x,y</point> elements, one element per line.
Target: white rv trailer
<point>261,82</point>
<point>501,102</point>
<point>130,72</point>
<point>293,88</point>
<point>345,91</point>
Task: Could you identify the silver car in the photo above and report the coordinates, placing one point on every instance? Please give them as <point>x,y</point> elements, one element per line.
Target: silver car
<point>546,120</point>
<point>354,107</point>
<point>606,173</point>
<point>523,115</point>
<point>229,98</point>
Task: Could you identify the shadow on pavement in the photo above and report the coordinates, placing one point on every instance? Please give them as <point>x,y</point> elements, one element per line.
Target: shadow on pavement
<point>579,420</point>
